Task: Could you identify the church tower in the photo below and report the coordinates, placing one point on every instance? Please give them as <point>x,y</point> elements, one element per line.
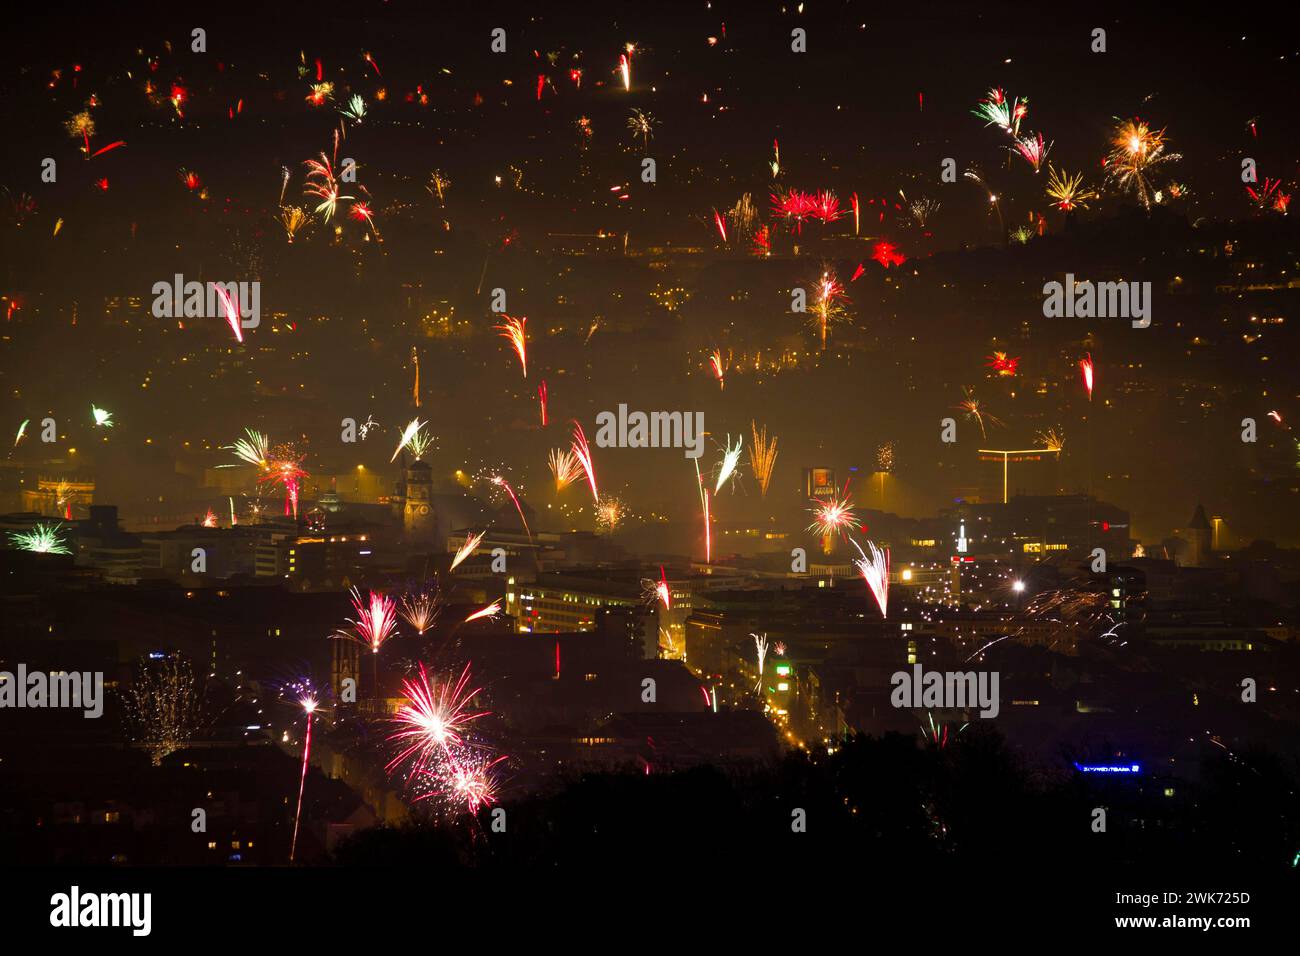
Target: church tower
<point>418,518</point>
<point>1199,539</point>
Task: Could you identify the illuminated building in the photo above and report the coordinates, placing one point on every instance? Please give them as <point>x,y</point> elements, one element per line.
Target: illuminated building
<point>419,520</point>
<point>819,483</point>
<point>555,603</point>
<point>59,497</point>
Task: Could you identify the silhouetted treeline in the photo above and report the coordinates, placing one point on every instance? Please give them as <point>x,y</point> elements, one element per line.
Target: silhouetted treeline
<point>894,801</point>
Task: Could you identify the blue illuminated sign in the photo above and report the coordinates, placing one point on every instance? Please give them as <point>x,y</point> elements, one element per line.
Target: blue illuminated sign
<point>1107,768</point>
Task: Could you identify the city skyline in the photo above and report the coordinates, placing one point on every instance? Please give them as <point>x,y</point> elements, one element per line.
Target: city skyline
<point>441,437</point>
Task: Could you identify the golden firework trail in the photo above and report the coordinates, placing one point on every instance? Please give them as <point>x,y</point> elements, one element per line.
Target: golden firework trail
<point>421,610</point>
<point>293,219</point>
<point>762,456</point>
<point>415,388</point>
<point>1052,439</point>
<point>513,330</point>
<point>412,429</point>
<point>492,610</point>
<point>565,467</point>
<point>466,549</point>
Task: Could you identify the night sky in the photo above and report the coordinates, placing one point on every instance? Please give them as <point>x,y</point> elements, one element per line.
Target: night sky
<point>879,100</point>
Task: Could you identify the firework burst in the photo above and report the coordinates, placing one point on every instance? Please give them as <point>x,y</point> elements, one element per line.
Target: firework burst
<point>975,410</point>
<point>657,592</point>
<point>1136,151</point>
<point>1032,150</point>
<point>827,305</point>
<point>565,468</point>
<point>1004,365</point>
<point>163,706</point>
<point>419,445</point>
<point>743,217</point>
<point>42,539</point>
<point>834,516</point>
<point>1052,439</point>
<point>438,185</point>
<point>293,219</point>
<point>255,449</point>
<point>432,721</point>
<point>408,435</point>
<point>718,368</point>
<point>81,126</point>
<point>354,109</point>
<point>362,212</point>
<point>1067,191</point>
<point>376,621</point>
<point>825,206</point>
<point>320,94</point>
<point>996,110</point>
<point>641,125</point>
<point>323,185</point>
<point>730,459</point>
<point>285,468</point>
<point>1269,197</point>
<point>794,207</point>
<point>421,608</point>
<point>885,458</point>
<point>466,778</point>
<point>887,254</point>
<point>610,512</point>
<point>922,210</point>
